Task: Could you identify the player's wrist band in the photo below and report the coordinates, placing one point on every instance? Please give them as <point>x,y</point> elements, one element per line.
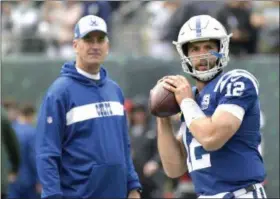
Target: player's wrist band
<point>191,111</point>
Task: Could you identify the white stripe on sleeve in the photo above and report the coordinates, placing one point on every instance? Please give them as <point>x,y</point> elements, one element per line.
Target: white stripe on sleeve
<point>234,109</point>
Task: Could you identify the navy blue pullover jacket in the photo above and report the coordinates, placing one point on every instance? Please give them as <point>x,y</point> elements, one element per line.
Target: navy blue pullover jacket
<point>27,177</point>
<point>82,143</point>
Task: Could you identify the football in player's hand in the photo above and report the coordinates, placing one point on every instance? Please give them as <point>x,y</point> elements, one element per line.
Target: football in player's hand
<point>162,102</point>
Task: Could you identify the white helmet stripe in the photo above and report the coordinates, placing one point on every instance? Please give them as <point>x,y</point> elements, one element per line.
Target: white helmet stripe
<point>198,27</point>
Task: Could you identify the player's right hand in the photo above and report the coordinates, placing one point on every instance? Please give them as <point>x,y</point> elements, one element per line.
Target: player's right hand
<point>162,79</point>
<point>180,86</point>
<point>165,77</point>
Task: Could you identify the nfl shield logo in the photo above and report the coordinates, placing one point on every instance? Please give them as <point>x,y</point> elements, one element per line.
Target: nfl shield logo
<point>205,101</point>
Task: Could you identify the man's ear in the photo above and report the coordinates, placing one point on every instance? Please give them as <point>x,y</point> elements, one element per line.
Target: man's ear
<point>108,46</point>
<point>75,45</point>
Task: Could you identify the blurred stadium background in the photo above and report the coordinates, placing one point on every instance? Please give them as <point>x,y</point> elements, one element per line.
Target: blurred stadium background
<point>36,38</point>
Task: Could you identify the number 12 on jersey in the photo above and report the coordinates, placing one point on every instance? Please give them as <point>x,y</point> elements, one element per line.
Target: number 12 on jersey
<point>197,158</point>
<point>235,89</point>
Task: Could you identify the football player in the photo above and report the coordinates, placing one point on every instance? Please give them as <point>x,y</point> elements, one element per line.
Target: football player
<point>220,130</point>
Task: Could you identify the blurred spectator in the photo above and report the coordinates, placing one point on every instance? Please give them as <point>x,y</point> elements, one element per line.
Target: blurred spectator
<point>9,154</point>
<point>101,9</point>
<point>25,18</point>
<point>127,23</point>
<point>49,26</point>
<point>7,26</point>
<point>236,17</point>
<point>128,104</point>
<point>144,152</point>
<point>27,29</point>
<point>267,12</point>
<point>129,9</point>
<point>11,107</point>
<point>25,184</point>
<point>115,5</point>
<point>159,14</point>
<point>57,25</point>
<point>185,188</point>
<point>6,20</point>
<point>185,12</point>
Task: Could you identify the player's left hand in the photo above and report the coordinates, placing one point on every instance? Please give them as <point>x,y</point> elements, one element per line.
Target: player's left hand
<point>180,86</point>
<point>134,194</point>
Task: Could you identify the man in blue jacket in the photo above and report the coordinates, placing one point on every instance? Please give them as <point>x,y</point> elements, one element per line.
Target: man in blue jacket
<point>25,184</point>
<point>82,143</point>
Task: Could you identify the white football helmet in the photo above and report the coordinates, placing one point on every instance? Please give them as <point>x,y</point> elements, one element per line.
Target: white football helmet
<point>203,28</point>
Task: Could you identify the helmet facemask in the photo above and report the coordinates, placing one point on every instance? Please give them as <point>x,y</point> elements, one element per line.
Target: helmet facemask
<point>215,61</point>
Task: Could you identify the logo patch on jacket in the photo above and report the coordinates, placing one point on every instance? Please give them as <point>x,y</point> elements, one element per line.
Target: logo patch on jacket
<point>94,110</point>
<point>103,109</point>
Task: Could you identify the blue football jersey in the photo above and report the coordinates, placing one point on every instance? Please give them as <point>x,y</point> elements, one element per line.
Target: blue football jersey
<point>238,163</point>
